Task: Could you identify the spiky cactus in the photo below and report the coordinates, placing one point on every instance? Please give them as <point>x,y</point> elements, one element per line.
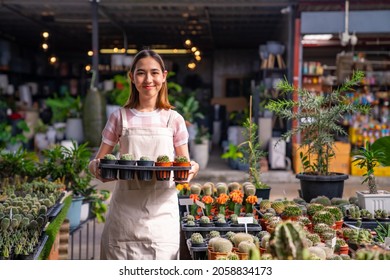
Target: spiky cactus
<point>204,220</point>
<point>110,157</point>
<point>312,208</point>
<point>127,157</point>
<point>163,158</point>
<point>241,236</point>
<point>197,238</point>
<point>324,200</point>
<point>221,188</point>
<point>324,217</point>
<point>286,242</point>
<point>335,211</point>
<point>278,206</point>
<point>221,245</point>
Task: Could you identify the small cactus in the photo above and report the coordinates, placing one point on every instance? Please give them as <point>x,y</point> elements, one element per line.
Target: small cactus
<point>127,157</point>
<point>324,217</point>
<point>181,159</point>
<point>241,236</point>
<point>144,158</point>
<point>204,220</point>
<point>163,158</point>
<point>222,245</point>
<point>324,200</point>
<point>336,212</point>
<point>197,238</point>
<point>110,157</point>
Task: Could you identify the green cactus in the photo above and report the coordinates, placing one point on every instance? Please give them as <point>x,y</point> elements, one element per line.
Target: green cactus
<point>232,257</point>
<point>364,213</point>
<point>318,252</point>
<point>181,159</point>
<point>249,190</point>
<point>287,242</point>
<point>214,233</point>
<point>264,204</point>
<point>145,158</point>
<point>244,246</point>
<point>221,245</point>
<point>324,217</point>
<point>291,211</point>
<point>334,257</point>
<point>127,157</point>
<point>191,223</point>
<point>195,188</point>
<point>314,237</point>
<point>197,238</point>
<point>204,220</point>
<point>207,189</point>
<point>320,228</point>
<point>221,220</point>
<point>335,211</point>
<point>312,208</point>
<point>190,218</point>
<point>354,212</point>
<point>278,206</point>
<point>233,186</point>
<point>241,236</point>
<point>110,157</point>
<point>324,200</point>
<point>345,257</point>
<point>221,188</point>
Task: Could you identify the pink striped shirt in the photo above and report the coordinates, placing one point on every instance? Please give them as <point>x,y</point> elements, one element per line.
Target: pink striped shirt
<point>158,118</point>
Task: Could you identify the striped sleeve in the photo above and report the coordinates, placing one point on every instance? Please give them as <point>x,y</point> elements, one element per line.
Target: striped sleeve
<point>180,133</point>
<point>113,129</point>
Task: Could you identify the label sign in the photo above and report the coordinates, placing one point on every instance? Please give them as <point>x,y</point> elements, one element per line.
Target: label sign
<point>245,221</point>
<point>200,204</point>
<point>187,202</point>
<point>387,242</point>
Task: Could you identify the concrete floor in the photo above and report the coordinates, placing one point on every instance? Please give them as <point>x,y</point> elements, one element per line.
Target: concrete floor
<point>282,182</point>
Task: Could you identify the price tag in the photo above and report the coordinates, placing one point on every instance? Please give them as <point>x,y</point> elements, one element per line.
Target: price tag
<point>245,221</point>
<point>187,202</point>
<point>201,205</point>
<point>259,199</point>
<point>387,242</point>
<point>333,242</point>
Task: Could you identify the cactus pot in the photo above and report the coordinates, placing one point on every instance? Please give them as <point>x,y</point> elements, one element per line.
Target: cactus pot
<point>126,174</point>
<point>163,175</point>
<point>203,244</point>
<point>313,186</point>
<point>181,175</point>
<point>109,173</point>
<point>263,193</point>
<point>146,174</point>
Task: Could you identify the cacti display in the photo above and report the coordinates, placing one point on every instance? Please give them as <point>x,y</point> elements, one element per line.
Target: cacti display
<point>197,238</point>
<point>264,204</point>
<point>241,236</point>
<point>110,157</point>
<point>324,217</point>
<point>204,220</point>
<point>221,188</point>
<point>221,245</point>
<point>335,211</point>
<point>181,159</point>
<point>278,206</point>
<point>163,158</point>
<point>312,208</point>
<point>292,211</point>
<point>324,200</point>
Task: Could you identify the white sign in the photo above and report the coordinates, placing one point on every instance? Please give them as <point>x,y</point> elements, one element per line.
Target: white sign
<point>245,221</point>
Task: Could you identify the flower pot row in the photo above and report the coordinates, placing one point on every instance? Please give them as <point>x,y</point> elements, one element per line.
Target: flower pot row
<point>127,170</point>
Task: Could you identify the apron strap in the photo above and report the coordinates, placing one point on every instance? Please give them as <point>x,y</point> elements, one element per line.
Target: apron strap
<point>170,119</point>
<point>124,118</point>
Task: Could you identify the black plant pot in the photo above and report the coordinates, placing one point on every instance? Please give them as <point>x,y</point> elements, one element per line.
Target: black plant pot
<point>145,174</point>
<point>313,186</point>
<point>263,193</point>
<point>126,174</point>
<point>108,173</point>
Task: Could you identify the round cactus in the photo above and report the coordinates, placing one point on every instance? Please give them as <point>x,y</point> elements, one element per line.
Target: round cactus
<point>222,245</point>
<point>191,223</point>
<point>245,246</point>
<point>232,257</point>
<point>312,208</point>
<point>110,157</point>
<point>127,157</point>
<point>195,189</point>
<point>292,211</point>
<point>197,238</point>
<point>234,186</point>
<point>190,218</point>
<point>221,188</point>
<point>241,236</point>
<point>264,204</point>
<point>204,220</point>
<point>336,212</point>
<point>214,233</point>
<point>207,189</point>
<point>324,200</point>
<point>324,217</point>
<point>278,206</point>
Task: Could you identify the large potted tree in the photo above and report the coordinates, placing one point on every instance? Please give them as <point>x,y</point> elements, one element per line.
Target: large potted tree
<point>368,158</point>
<point>318,118</point>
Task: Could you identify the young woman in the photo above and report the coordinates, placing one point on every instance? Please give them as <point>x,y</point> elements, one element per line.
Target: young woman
<point>143,220</point>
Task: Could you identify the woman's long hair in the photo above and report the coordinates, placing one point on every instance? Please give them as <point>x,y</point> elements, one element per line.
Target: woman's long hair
<point>162,98</point>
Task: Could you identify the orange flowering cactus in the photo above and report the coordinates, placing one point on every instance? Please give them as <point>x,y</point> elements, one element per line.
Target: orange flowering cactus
<point>221,200</point>
<point>249,203</point>
<point>208,201</point>
<point>194,206</point>
<point>236,198</point>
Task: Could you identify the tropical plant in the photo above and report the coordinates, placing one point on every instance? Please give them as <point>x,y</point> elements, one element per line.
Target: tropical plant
<point>318,118</point>
<point>10,135</point>
<point>233,152</point>
<point>121,92</point>
<point>189,108</point>
<point>20,162</point>
<point>370,156</point>
<point>64,107</point>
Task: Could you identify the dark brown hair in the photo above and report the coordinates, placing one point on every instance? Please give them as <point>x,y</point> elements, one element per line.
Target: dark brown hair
<point>162,99</point>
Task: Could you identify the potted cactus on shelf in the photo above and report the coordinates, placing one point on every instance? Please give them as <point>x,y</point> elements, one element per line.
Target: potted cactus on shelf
<point>163,161</point>
<point>145,174</point>
<point>197,240</point>
<point>291,212</point>
<point>181,161</point>
<point>109,173</point>
<point>129,160</point>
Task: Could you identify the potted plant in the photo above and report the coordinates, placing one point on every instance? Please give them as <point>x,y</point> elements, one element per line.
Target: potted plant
<point>200,148</point>
<point>181,174</point>
<point>165,174</point>
<point>368,158</point>
<point>233,155</point>
<point>109,172</point>
<point>127,160</point>
<point>145,174</point>
<point>318,122</point>
<point>252,148</point>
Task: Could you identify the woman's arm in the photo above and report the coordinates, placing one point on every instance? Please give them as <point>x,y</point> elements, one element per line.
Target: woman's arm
<point>94,164</point>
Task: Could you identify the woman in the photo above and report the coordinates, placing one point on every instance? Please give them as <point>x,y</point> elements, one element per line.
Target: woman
<point>143,220</point>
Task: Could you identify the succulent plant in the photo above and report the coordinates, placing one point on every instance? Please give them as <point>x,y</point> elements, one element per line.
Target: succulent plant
<point>207,189</point>
<point>163,158</point>
<point>233,186</point>
<point>278,206</point>
<point>381,214</point>
<point>313,237</point>
<point>286,242</point>
<point>195,188</point>
<point>249,190</point>
<point>190,223</point>
<point>233,218</point>
<point>221,245</point>
<point>221,188</point>
<point>312,208</point>
<point>318,252</point>
<point>364,213</point>
<point>144,158</point>
<point>214,233</point>
<point>304,221</point>
<point>264,204</point>
<point>345,257</point>
<point>335,211</point>
<point>110,157</point>
<point>229,235</point>
<point>190,218</point>
<point>204,220</point>
<point>181,159</point>
<point>221,220</point>
<point>324,200</point>
<point>334,257</point>
<point>241,236</point>
<point>197,238</point>
<point>320,228</point>
<point>232,257</point>
<point>127,157</point>
<point>244,246</point>
<point>324,217</point>
<point>264,242</point>
<point>292,211</point>
<point>354,212</point>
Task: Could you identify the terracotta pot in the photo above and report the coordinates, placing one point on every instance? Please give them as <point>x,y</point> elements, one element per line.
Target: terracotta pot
<point>344,250</point>
<point>163,175</point>
<point>181,175</point>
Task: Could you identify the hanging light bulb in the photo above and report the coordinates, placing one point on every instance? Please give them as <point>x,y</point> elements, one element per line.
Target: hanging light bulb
<point>188,42</point>
<point>45,35</point>
<point>191,65</point>
<point>53,59</point>
<point>45,46</point>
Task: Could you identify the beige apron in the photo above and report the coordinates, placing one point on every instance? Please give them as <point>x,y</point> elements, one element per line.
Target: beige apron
<point>143,220</point>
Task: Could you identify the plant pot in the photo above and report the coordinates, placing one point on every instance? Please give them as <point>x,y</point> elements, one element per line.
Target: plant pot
<point>200,154</point>
<point>313,186</point>
<point>146,174</point>
<point>163,175</point>
<point>126,174</point>
<point>373,202</point>
<point>263,193</point>
<point>181,175</point>
<point>74,212</point>
<point>108,173</point>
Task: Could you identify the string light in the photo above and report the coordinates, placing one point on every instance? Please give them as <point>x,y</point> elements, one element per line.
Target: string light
<point>90,53</point>
<point>45,35</point>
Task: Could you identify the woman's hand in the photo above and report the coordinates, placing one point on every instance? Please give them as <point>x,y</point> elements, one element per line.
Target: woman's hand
<point>93,167</point>
<point>193,171</point>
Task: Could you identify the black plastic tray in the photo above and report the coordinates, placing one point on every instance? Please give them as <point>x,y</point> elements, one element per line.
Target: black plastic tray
<point>151,168</point>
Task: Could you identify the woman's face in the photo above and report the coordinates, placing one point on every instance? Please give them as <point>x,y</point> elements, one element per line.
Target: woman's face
<point>148,77</point>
